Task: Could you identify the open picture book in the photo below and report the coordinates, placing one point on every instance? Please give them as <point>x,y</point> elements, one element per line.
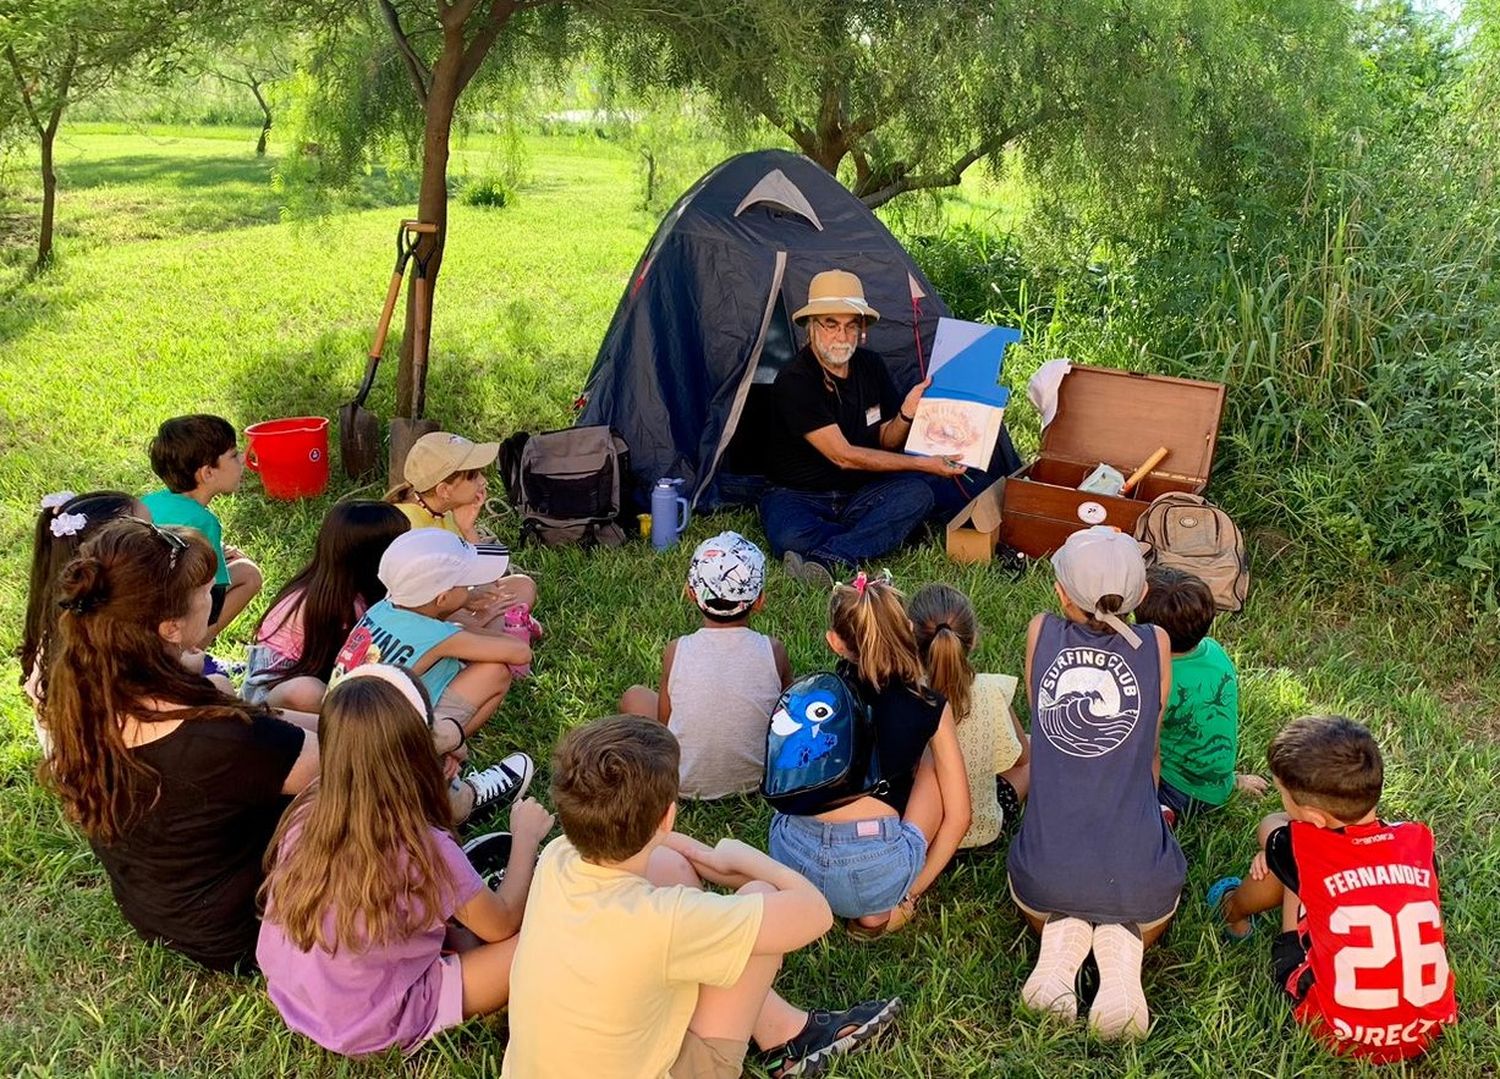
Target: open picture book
<point>963,410</point>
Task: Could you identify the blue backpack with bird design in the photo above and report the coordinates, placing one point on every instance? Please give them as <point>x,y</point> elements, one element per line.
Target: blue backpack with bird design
<point>821,742</point>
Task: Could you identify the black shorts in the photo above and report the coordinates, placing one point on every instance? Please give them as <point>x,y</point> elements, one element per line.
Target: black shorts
<point>1289,967</point>
<point>1010,805</point>
<point>217,593</point>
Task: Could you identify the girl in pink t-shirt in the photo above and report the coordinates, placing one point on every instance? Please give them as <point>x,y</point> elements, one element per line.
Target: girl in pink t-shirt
<point>364,874</point>
<point>299,637</point>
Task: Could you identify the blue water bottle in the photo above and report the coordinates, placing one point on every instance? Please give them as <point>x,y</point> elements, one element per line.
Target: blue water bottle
<point>669,513</point>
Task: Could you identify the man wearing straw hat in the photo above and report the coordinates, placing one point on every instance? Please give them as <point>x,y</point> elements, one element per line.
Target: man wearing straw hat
<point>842,491</point>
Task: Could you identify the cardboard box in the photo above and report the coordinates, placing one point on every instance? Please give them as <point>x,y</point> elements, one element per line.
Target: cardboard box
<point>1119,418</point>
<point>972,534</point>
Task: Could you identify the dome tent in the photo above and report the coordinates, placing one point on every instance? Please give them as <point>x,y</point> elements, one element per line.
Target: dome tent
<point>685,369</point>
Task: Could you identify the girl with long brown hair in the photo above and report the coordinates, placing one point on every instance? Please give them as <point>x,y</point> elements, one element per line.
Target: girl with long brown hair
<point>65,522</point>
<point>997,753</point>
<point>364,873</point>
<point>874,857</point>
<point>177,784</point>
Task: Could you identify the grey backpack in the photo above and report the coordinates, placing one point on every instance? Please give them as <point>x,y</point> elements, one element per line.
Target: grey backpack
<point>567,485</point>
<point>1189,533</point>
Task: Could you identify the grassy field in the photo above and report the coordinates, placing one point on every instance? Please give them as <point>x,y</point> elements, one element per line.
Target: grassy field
<point>179,290</point>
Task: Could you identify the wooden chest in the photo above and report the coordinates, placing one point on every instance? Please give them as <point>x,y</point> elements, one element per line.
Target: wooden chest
<point>1118,418</point>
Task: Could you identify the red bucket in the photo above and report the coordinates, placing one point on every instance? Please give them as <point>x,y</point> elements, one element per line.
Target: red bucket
<point>291,455</point>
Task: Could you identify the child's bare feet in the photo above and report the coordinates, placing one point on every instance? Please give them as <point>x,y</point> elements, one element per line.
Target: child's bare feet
<point>1251,784</point>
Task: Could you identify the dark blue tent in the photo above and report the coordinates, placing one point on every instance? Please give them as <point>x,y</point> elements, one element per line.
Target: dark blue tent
<point>705,322</point>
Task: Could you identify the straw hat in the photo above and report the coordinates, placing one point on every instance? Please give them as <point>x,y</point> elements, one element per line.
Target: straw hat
<point>835,292</point>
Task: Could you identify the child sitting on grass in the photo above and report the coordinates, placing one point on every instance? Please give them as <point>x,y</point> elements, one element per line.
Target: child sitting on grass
<point>1094,866</point>
<point>428,574</point>
<point>198,458</point>
<point>65,521</point>
<point>364,871</point>
<point>875,856</point>
<point>299,637</point>
<point>1361,952</point>
<point>997,753</point>
<point>720,684</point>
<point>627,968</point>
<point>444,487</point>
<point>1200,730</point>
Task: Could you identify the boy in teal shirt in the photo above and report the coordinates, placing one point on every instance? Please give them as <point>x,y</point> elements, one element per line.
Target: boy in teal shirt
<point>1200,731</point>
<point>198,458</point>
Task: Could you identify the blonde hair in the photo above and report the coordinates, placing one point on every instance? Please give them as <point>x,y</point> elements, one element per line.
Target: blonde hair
<point>946,631</point>
<point>366,852</point>
<point>870,618</point>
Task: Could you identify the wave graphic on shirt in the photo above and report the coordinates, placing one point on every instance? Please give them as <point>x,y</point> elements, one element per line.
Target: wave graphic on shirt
<point>1086,715</point>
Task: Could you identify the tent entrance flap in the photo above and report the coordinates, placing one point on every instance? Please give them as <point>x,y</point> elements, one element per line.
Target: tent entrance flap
<point>747,378</point>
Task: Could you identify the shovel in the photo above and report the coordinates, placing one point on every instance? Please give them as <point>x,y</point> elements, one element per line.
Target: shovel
<point>404,431</point>
<point>359,428</point>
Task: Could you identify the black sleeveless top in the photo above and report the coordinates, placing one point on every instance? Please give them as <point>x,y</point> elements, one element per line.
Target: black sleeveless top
<point>906,718</point>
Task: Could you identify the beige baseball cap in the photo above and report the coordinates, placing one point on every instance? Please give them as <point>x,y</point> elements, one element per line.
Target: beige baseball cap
<point>1103,561</point>
<point>436,456</point>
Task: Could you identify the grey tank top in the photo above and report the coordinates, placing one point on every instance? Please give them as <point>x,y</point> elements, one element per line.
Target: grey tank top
<point>1092,842</point>
<point>724,687</point>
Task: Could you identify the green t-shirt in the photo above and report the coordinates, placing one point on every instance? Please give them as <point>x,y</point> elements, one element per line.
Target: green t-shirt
<point>170,508</point>
<point>1200,734</point>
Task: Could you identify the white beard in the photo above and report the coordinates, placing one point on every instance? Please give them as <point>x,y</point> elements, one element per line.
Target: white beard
<point>838,355</point>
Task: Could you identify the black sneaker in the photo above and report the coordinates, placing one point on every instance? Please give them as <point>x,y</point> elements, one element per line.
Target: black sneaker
<point>807,571</point>
<point>828,1034</point>
<point>500,784</point>
<point>489,855</point>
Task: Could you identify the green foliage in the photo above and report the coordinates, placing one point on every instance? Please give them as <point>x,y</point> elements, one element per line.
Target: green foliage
<point>491,191</point>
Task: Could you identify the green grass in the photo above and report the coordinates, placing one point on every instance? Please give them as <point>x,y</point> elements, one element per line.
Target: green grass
<point>216,306</point>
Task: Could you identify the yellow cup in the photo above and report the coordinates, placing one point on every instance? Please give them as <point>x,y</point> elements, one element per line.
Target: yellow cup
<point>645,522</point>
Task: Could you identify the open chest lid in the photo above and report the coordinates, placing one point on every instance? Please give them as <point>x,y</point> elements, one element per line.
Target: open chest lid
<point>1121,418</point>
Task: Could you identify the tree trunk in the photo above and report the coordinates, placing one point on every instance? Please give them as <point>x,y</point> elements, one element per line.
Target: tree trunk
<point>49,197</point>
<point>265,127</point>
<point>432,206</point>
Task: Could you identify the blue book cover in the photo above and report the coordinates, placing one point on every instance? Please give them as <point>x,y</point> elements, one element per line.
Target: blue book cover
<point>961,413</point>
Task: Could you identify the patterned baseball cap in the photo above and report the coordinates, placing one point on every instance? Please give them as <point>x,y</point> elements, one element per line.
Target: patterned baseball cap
<point>729,570</point>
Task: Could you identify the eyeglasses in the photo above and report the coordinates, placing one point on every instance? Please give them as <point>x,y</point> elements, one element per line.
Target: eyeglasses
<point>174,541</point>
<point>836,328</point>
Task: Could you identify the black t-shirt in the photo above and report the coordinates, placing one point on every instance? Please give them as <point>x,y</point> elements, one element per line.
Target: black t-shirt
<point>187,872</point>
<point>857,404</point>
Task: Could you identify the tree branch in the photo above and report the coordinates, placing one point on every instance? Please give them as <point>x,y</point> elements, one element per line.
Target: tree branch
<point>415,69</point>
<point>499,13</point>
<point>63,85</point>
<point>950,176</point>
<point>15,65</point>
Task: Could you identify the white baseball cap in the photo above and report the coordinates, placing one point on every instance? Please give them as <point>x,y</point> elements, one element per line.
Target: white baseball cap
<point>422,564</point>
<point>1103,561</point>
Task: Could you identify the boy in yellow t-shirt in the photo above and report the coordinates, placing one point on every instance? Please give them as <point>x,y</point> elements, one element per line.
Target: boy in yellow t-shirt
<point>628,969</point>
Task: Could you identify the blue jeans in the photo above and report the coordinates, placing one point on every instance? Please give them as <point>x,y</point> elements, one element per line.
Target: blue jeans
<point>1180,802</point>
<point>846,528</point>
<point>858,874</point>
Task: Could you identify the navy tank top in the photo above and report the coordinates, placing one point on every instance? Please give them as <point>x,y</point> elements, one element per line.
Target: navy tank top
<point>1092,842</point>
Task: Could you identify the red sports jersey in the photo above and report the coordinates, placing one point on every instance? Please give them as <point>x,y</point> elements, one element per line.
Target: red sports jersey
<point>1381,987</point>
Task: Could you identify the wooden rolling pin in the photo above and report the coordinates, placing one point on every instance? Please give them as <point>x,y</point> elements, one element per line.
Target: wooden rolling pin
<point>1145,470</point>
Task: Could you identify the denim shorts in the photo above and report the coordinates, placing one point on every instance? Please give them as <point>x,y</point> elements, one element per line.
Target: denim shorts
<point>262,665</point>
<point>861,867</point>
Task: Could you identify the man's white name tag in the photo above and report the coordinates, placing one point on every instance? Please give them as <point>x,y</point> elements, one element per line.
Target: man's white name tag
<point>872,416</point>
